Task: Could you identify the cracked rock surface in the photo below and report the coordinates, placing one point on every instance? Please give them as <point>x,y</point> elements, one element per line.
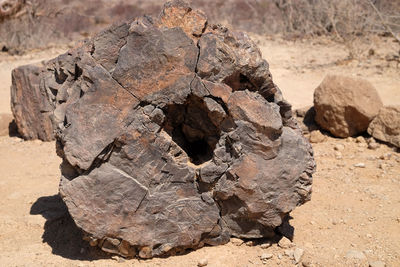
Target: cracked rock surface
<point>173,135</point>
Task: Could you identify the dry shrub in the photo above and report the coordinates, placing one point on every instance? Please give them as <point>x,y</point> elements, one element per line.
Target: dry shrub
<point>346,20</point>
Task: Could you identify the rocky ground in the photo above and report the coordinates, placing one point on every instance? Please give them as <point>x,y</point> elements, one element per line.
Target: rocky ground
<point>353,218</point>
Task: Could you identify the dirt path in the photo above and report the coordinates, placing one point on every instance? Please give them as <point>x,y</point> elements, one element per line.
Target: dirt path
<point>354,212</point>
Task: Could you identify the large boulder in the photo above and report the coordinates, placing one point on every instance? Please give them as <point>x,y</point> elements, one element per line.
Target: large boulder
<point>29,104</point>
<point>386,125</point>
<point>345,106</point>
<point>173,135</point>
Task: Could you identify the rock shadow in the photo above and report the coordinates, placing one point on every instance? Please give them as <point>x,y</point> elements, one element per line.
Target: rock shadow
<point>61,232</point>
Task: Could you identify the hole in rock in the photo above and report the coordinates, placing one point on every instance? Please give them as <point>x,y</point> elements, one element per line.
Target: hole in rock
<point>191,128</point>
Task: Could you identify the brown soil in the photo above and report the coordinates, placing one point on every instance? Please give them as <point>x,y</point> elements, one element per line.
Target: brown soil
<point>352,208</point>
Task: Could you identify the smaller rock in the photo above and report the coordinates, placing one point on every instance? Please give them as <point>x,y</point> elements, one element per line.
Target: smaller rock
<point>266,256</point>
<point>338,147</point>
<point>285,243</point>
<point>373,146</point>
<point>202,262</point>
<point>354,254</point>
<point>250,243</point>
<point>317,137</point>
<point>377,264</point>
<point>298,254</point>
<point>360,165</point>
<point>236,241</point>
<point>360,139</point>
<point>338,155</point>
<point>289,253</point>
<point>265,245</point>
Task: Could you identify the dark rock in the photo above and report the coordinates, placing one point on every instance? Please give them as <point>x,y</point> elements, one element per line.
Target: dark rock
<point>176,138</point>
<point>29,104</point>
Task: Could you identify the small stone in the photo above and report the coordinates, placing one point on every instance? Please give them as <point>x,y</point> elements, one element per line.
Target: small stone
<point>377,264</point>
<point>306,263</point>
<point>202,262</point>
<point>285,243</point>
<point>354,254</point>
<point>360,139</point>
<point>250,243</point>
<point>360,165</point>
<point>236,241</point>
<point>338,147</point>
<point>373,146</point>
<point>298,254</point>
<point>369,236</point>
<point>265,245</point>
<point>266,256</point>
<point>338,155</point>
<point>289,253</point>
<point>317,137</point>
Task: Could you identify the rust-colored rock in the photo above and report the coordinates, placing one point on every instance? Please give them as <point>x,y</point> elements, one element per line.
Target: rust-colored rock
<point>29,104</point>
<point>176,138</point>
<point>345,106</point>
<point>386,125</point>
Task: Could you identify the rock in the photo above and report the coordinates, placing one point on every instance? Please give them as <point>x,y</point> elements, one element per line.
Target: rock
<point>354,254</point>
<point>373,146</point>
<point>182,141</point>
<point>236,241</point>
<point>377,264</point>
<point>5,121</point>
<point>285,243</point>
<point>338,155</point>
<point>266,256</point>
<point>339,147</point>
<point>202,262</point>
<point>265,245</point>
<point>298,254</point>
<point>29,104</point>
<point>345,106</point>
<point>386,125</point>
<point>360,140</point>
<point>317,137</point>
<point>359,165</point>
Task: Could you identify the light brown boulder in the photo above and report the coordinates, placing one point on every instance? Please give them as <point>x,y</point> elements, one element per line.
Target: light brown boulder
<point>386,126</point>
<point>345,106</point>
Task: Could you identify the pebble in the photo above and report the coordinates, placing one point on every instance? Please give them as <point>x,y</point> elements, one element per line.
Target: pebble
<point>354,254</point>
<point>317,137</point>
<point>338,147</point>
<point>202,262</point>
<point>289,253</point>
<point>266,256</point>
<point>377,264</point>
<point>236,241</point>
<point>338,155</point>
<point>360,139</point>
<point>285,243</point>
<point>250,243</point>
<point>373,146</point>
<point>360,165</point>
<point>298,254</point>
<point>265,245</point>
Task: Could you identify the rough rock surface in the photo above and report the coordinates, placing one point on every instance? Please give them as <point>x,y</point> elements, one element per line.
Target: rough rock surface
<point>345,106</point>
<point>386,125</point>
<point>29,104</point>
<point>173,135</point>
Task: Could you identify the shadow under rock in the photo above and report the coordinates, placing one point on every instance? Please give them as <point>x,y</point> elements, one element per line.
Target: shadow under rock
<point>61,233</point>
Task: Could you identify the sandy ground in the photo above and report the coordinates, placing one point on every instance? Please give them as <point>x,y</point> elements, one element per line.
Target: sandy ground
<point>353,218</point>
